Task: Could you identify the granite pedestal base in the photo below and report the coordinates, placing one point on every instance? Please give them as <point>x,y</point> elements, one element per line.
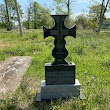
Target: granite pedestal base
<point>49,92</point>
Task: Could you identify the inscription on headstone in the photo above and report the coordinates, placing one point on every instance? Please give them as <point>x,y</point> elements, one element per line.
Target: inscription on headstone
<point>57,74</point>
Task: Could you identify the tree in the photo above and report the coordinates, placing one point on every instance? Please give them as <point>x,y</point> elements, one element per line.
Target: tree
<point>37,16</point>
<point>35,5</point>
<point>9,27</point>
<point>19,21</point>
<point>27,22</point>
<point>82,21</point>
<point>2,13</point>
<point>94,12</point>
<point>97,13</point>
<point>2,16</point>
<point>68,7</point>
<point>103,10</point>
<point>11,12</point>
<point>94,16</point>
<point>29,16</point>
<point>63,6</point>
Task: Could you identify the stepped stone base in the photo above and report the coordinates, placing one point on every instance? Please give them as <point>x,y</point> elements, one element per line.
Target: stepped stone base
<point>49,92</point>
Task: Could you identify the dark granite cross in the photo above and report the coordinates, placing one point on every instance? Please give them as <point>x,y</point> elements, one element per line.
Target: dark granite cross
<point>59,32</point>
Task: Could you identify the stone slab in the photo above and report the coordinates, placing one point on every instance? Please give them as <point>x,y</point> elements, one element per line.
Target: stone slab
<point>38,97</point>
<point>60,74</point>
<point>11,72</point>
<point>59,91</point>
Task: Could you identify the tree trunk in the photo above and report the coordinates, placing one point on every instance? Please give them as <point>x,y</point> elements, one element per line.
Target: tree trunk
<point>20,27</point>
<point>106,7</point>
<point>68,6</point>
<point>28,18</point>
<point>102,13</point>
<point>35,16</point>
<point>68,12</point>
<point>7,17</point>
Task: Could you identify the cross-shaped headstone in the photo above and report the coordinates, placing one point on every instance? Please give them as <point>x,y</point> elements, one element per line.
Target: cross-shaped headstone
<point>59,32</point>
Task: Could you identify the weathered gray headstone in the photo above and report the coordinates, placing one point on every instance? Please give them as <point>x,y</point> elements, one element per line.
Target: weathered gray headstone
<point>11,72</point>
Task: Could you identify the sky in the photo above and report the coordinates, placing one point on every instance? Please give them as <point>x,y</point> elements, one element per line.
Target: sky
<point>78,7</point>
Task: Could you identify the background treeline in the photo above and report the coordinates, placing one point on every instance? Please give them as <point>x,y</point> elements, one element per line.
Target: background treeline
<point>38,15</point>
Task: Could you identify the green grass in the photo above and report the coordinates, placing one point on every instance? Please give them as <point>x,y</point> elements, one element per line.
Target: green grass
<point>89,51</point>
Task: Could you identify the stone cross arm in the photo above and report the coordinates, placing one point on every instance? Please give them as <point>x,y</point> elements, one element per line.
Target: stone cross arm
<point>59,32</point>
<point>65,32</point>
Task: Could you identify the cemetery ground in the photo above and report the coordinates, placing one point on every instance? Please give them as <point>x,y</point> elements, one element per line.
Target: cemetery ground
<point>89,51</point>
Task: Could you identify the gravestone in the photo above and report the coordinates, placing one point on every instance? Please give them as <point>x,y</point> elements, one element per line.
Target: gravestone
<point>60,79</point>
<point>11,72</point>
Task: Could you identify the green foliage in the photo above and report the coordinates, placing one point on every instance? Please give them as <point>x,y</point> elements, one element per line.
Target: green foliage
<point>95,11</point>
<point>89,51</point>
<point>82,21</point>
<point>12,9</point>
<point>2,16</point>
<point>8,16</point>
<point>38,16</point>
<point>94,15</point>
<point>91,21</point>
<point>61,6</point>
<point>4,21</point>
<point>2,13</point>
<point>106,24</point>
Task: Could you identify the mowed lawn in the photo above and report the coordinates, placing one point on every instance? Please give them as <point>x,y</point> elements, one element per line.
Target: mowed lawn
<point>89,51</point>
